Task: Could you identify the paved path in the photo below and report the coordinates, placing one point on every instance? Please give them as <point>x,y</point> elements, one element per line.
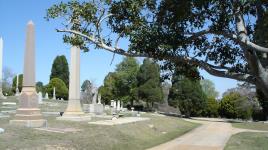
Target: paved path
<point>213,134</point>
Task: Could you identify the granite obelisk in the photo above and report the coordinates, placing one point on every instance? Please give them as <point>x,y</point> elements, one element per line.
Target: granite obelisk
<point>1,68</point>
<point>17,86</point>
<point>28,114</point>
<point>74,110</point>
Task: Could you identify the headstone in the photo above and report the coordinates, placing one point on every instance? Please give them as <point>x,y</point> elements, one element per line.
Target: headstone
<point>99,98</point>
<point>17,86</point>
<point>112,103</point>
<point>46,97</point>
<point>1,65</point>
<point>118,105</point>
<point>28,114</point>
<point>96,108</point>
<point>54,93</point>
<point>40,98</point>
<point>2,130</point>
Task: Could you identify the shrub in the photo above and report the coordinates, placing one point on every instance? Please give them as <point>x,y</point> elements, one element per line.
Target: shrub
<point>61,89</point>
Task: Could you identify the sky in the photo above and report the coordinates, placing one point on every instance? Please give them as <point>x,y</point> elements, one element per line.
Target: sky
<point>95,64</point>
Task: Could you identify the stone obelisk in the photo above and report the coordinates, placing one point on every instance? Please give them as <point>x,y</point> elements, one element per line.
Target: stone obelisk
<point>17,86</point>
<point>28,114</point>
<point>74,110</point>
<point>1,68</point>
<point>54,94</point>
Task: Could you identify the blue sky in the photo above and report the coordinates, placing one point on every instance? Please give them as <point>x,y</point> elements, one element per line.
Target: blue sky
<point>14,15</point>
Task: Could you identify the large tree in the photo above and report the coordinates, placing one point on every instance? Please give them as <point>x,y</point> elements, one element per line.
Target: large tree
<point>209,88</point>
<point>60,69</point>
<point>187,95</point>
<point>126,80</point>
<point>149,83</point>
<point>225,38</point>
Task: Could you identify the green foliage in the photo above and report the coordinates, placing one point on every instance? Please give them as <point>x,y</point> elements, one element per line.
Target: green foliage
<point>108,90</point>
<point>212,107</point>
<point>40,87</point>
<point>122,84</point>
<point>209,88</point>
<point>149,84</point>
<point>61,89</point>
<point>235,106</point>
<point>187,95</point>
<point>126,81</point>
<point>86,85</point>
<point>14,83</point>
<point>60,69</point>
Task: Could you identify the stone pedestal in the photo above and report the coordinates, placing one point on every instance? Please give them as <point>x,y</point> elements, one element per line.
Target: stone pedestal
<point>28,114</point>
<point>96,109</point>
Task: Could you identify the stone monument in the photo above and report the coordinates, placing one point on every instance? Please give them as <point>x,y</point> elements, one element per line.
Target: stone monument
<point>40,98</point>
<point>74,110</point>
<point>118,108</point>
<point>1,65</point>
<point>46,96</point>
<point>28,114</point>
<point>96,108</point>
<point>17,86</point>
<point>54,93</point>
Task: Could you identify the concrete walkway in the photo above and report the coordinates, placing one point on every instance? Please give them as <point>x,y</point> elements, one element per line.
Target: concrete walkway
<point>213,134</point>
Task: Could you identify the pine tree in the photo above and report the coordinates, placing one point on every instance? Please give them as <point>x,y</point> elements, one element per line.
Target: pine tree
<point>149,83</point>
<point>60,69</point>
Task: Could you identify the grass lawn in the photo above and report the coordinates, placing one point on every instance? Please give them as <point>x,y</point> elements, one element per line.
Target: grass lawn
<point>251,125</point>
<point>248,141</point>
<point>135,136</point>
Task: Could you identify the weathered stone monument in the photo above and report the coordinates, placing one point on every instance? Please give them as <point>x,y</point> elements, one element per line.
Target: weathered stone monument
<point>54,93</point>
<point>118,108</point>
<point>28,114</point>
<point>40,98</point>
<point>96,108</point>
<point>74,111</point>
<point>17,86</point>
<point>46,96</point>
<point>1,65</point>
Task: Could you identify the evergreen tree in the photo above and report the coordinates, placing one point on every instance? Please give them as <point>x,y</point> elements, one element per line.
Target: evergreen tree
<point>126,80</point>
<point>39,87</point>
<point>60,69</point>
<point>108,90</point>
<point>187,95</point>
<point>149,84</point>
<point>14,83</point>
<point>60,87</point>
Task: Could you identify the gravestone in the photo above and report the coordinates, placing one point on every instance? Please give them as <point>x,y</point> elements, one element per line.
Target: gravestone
<point>2,130</point>
<point>96,108</point>
<point>40,98</point>
<point>1,65</point>
<point>118,106</point>
<point>28,114</point>
<point>54,93</point>
<point>17,86</point>
<point>46,96</point>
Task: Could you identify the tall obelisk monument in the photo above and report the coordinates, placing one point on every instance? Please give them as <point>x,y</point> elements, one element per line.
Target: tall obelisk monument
<point>28,114</point>
<point>74,111</point>
<point>1,68</point>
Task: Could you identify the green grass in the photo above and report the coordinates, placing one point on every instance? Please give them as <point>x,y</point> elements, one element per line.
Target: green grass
<point>248,141</point>
<point>252,125</point>
<point>134,136</point>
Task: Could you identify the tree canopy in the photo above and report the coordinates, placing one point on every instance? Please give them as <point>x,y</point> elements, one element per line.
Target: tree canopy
<point>149,83</point>
<point>60,69</point>
<point>225,38</point>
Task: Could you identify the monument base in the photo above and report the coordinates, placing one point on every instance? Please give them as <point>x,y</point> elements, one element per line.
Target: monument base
<point>29,123</point>
<point>96,109</point>
<point>75,117</point>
